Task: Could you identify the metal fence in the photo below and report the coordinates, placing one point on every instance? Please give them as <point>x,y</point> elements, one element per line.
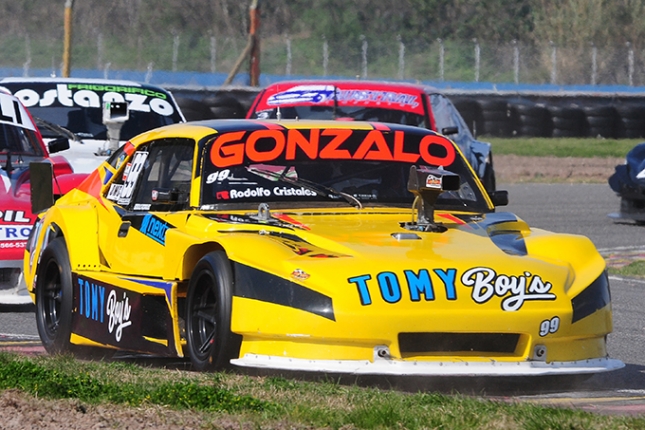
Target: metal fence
<point>384,58</point>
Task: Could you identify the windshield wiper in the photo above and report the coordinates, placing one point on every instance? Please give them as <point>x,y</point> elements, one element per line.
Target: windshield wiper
<point>59,130</point>
<point>313,186</point>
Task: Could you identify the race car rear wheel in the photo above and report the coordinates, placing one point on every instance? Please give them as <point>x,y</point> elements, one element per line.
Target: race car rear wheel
<point>211,345</point>
<point>54,298</point>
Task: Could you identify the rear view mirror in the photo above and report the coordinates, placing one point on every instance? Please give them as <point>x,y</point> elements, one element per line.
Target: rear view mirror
<point>57,145</point>
<point>41,188</point>
<point>499,198</point>
<point>449,130</point>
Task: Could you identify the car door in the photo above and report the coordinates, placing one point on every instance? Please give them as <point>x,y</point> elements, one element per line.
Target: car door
<point>148,192</point>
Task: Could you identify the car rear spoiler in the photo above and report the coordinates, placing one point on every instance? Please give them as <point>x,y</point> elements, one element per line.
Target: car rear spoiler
<point>41,175</point>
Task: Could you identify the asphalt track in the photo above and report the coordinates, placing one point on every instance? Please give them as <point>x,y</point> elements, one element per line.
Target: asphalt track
<point>577,209</point>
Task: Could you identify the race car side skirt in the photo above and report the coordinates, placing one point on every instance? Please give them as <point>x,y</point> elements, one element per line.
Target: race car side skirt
<point>385,366</point>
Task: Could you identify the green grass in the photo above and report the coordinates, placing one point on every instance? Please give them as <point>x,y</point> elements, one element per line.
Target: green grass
<point>279,402</point>
<point>633,269</point>
<point>562,147</point>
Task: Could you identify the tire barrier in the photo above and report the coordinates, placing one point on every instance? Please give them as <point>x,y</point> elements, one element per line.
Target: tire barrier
<point>567,121</point>
<point>470,111</point>
<point>631,124</point>
<point>494,115</point>
<point>496,119</point>
<point>193,110</point>
<point>601,120</point>
<point>529,119</point>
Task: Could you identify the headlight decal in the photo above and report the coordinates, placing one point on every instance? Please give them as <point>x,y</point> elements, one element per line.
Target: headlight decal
<point>252,283</point>
<point>595,297</point>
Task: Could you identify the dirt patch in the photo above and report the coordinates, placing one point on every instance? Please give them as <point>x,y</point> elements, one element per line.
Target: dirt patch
<point>513,168</point>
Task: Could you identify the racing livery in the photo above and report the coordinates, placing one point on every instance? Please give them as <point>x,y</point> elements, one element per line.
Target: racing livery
<point>394,102</point>
<point>330,246</point>
<point>21,144</point>
<point>76,106</point>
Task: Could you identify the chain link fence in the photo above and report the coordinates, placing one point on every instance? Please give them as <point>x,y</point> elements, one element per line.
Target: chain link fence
<point>384,58</point>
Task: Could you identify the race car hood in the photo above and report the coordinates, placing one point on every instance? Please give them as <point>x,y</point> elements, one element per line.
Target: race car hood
<point>371,259</point>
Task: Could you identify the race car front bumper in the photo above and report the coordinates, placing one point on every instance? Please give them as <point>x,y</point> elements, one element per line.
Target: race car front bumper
<point>386,366</point>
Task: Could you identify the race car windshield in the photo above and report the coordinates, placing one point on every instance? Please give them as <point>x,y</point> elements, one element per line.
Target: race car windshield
<point>348,113</point>
<point>19,141</point>
<point>87,122</point>
<point>307,178</point>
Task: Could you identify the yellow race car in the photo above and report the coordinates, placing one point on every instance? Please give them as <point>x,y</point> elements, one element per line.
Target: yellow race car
<point>329,246</point>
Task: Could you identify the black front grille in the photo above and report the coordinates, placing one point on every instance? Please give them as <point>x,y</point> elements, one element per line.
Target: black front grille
<point>502,343</point>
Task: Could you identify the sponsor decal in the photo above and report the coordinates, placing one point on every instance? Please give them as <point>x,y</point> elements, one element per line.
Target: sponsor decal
<point>514,290</point>
<point>485,283</point>
<point>11,112</point>
<point>91,297</point>
<point>138,161</point>
<point>264,192</point>
<point>14,232</point>
<point>118,312</point>
<point>433,182</point>
<point>549,326</point>
<point>303,94</point>
<point>300,275</point>
<point>94,96</point>
<point>155,228</point>
<point>378,97</point>
<point>260,146</point>
<point>13,216</point>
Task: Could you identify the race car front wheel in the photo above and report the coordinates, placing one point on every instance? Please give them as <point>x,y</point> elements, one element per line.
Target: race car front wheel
<point>54,298</point>
<point>211,345</point>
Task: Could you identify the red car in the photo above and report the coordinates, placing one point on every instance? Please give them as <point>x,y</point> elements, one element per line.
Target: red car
<point>399,103</point>
<point>21,144</point>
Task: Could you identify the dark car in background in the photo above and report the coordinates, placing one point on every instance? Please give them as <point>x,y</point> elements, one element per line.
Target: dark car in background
<point>77,105</point>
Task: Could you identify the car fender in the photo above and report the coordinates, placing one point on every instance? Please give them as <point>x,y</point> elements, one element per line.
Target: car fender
<point>79,227</point>
<point>480,153</point>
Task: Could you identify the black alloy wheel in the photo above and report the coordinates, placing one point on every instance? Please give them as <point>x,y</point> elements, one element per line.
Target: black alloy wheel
<point>211,344</point>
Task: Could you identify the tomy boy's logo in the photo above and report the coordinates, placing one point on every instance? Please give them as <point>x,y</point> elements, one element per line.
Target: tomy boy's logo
<point>261,146</point>
<point>486,284</point>
<point>100,303</point>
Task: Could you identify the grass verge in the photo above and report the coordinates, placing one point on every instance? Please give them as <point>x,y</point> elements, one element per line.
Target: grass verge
<point>635,269</point>
<point>285,403</point>
<point>561,147</point>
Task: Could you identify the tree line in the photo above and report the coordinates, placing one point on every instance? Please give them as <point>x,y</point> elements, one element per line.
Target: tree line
<point>566,23</point>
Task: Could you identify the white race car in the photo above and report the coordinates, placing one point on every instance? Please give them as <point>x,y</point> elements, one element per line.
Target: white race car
<point>84,111</point>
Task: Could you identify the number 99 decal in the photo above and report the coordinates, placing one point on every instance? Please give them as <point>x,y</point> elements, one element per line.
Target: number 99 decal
<point>549,326</point>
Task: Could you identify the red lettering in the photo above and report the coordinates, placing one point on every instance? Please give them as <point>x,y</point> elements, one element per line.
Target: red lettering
<point>224,156</point>
<point>399,155</point>
<point>331,150</point>
<point>373,138</point>
<point>309,147</point>
<point>424,149</point>
<point>259,156</point>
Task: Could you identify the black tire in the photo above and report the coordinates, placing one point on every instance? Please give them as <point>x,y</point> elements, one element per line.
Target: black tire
<point>560,132</point>
<point>567,123</point>
<point>193,110</point>
<point>54,298</point>
<point>497,128</point>
<point>211,344</point>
